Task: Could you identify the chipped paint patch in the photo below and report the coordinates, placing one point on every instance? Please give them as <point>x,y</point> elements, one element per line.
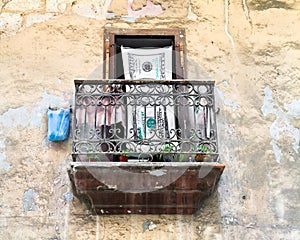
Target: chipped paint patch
<point>227,154</point>
<point>91,9</point>
<point>4,166</point>
<point>150,9</point>
<point>293,108</point>
<point>279,206</point>
<point>281,126</point>
<point>129,19</point>
<point>68,197</point>
<point>37,18</point>
<point>15,117</point>
<point>228,102</point>
<point>277,151</point>
<point>35,118</point>
<point>270,106</point>
<point>158,172</point>
<point>38,112</point>
<point>28,200</point>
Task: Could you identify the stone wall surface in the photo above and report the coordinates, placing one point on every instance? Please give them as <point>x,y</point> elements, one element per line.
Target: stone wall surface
<point>250,48</point>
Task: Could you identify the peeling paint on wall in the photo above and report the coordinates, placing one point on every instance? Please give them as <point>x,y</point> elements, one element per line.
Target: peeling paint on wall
<point>17,15</point>
<point>4,166</point>
<point>293,108</point>
<point>149,10</point>
<point>91,8</point>
<point>28,200</point>
<point>228,102</point>
<point>10,23</point>
<point>23,117</point>
<point>15,117</point>
<point>281,127</point>
<point>37,18</point>
<point>38,112</point>
<point>279,206</point>
<point>230,136</point>
<point>68,196</point>
<point>270,106</point>
<point>277,151</point>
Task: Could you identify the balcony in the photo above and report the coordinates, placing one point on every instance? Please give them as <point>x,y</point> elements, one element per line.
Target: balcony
<point>145,146</point>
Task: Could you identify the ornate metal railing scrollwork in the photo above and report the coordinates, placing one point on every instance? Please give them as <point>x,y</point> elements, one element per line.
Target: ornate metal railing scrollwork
<point>144,119</point>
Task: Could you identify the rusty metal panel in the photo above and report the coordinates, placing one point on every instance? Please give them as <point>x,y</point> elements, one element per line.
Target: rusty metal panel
<point>183,195</point>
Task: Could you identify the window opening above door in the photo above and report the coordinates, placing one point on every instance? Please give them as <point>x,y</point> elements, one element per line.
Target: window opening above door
<point>114,39</point>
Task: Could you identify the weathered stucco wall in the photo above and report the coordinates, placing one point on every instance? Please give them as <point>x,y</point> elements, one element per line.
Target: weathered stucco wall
<point>250,48</point>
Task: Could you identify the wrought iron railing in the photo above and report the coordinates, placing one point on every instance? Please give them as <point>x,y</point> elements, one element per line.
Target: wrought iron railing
<point>145,120</point>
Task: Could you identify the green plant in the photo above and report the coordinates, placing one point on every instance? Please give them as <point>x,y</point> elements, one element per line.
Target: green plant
<point>203,148</point>
<point>202,156</point>
<point>173,156</point>
<point>181,158</point>
<point>124,155</point>
<point>167,148</point>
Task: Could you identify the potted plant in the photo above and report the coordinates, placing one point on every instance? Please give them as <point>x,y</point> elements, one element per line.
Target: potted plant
<point>203,155</point>
<point>124,156</point>
<point>169,157</point>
